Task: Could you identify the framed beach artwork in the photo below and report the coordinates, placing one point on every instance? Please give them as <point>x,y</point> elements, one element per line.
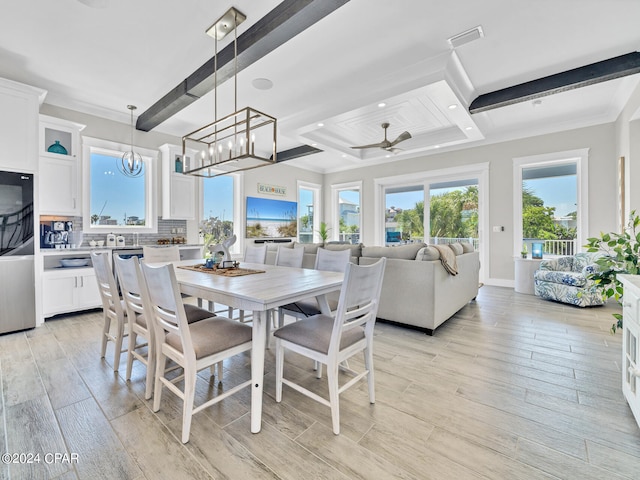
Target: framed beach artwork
<point>268,218</point>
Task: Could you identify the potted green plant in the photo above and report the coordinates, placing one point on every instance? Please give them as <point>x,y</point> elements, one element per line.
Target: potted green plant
<point>323,231</point>
<point>524,250</point>
<point>622,250</point>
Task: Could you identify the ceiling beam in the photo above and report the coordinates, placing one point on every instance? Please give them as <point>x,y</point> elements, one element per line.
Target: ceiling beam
<point>296,152</point>
<point>278,26</point>
<point>610,69</point>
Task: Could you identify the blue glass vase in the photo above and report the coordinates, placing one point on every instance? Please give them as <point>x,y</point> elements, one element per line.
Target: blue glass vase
<point>57,148</point>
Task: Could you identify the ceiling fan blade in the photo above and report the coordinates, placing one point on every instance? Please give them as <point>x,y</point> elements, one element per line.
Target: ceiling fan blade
<point>394,149</point>
<point>401,138</point>
<point>373,145</point>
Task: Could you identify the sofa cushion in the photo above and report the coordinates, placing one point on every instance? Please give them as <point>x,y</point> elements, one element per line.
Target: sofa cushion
<point>309,247</point>
<point>403,252</point>
<point>428,253</point>
<point>572,279</point>
<point>356,250</point>
<point>467,247</point>
<point>457,248</point>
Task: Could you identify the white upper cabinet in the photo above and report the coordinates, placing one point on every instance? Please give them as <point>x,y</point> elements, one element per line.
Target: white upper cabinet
<point>179,193</point>
<point>19,105</point>
<point>60,163</point>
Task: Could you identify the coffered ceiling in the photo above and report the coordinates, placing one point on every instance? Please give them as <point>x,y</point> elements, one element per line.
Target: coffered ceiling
<point>336,72</point>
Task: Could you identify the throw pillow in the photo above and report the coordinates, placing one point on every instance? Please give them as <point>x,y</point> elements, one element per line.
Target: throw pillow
<point>427,254</point>
<point>467,247</point>
<point>457,248</point>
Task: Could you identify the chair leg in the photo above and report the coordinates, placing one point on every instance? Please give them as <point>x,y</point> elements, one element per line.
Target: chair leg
<point>105,336</point>
<point>334,399</point>
<point>230,312</point>
<point>279,369</point>
<point>161,365</point>
<point>317,366</point>
<point>118,347</point>
<point>133,338</point>
<point>151,367</point>
<point>280,318</point>
<point>187,407</point>
<point>368,365</point>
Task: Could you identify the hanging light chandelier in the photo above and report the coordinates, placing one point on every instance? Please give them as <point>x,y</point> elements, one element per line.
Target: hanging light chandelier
<point>131,163</point>
<point>242,140</point>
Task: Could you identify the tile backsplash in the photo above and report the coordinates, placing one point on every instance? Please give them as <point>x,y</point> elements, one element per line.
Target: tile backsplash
<point>165,228</point>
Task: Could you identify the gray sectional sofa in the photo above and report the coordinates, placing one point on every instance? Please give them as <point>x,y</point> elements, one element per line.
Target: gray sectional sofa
<point>417,291</point>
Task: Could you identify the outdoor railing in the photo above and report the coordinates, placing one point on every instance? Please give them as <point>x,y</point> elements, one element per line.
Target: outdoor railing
<point>448,240</point>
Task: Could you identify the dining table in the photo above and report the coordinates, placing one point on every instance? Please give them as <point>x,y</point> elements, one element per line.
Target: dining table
<point>267,287</point>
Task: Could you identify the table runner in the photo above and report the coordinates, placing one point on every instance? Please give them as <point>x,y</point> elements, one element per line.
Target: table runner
<point>226,272</point>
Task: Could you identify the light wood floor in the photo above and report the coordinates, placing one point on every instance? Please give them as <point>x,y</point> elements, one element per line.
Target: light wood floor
<point>512,387</point>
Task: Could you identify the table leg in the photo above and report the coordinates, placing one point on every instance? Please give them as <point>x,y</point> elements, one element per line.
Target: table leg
<point>257,368</point>
<point>323,303</point>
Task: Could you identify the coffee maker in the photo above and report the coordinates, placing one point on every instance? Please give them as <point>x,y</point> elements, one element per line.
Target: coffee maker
<point>55,234</point>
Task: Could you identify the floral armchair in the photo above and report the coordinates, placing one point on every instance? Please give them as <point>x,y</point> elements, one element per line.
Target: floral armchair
<point>564,279</point>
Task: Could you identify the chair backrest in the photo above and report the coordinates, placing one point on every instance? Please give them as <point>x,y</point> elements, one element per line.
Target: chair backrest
<point>359,299</point>
<point>134,289</point>
<point>167,307</point>
<point>107,284</point>
<point>332,260</point>
<point>161,254</point>
<point>289,257</point>
<point>255,253</point>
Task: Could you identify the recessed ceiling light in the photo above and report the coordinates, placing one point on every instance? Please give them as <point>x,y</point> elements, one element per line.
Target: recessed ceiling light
<point>321,124</point>
<point>468,128</point>
<point>314,144</point>
<point>382,104</point>
<point>436,146</point>
<point>388,156</point>
<point>262,83</point>
<point>344,155</point>
<point>453,106</point>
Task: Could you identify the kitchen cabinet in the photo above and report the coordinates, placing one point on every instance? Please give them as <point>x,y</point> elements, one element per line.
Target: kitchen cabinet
<point>60,173</point>
<point>19,105</point>
<point>69,289</point>
<point>179,193</point>
<point>631,343</point>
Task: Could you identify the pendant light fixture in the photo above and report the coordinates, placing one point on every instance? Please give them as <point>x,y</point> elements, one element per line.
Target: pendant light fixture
<point>131,163</point>
<point>242,140</point>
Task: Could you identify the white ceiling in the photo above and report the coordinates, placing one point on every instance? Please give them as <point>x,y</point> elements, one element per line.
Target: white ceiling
<point>98,60</point>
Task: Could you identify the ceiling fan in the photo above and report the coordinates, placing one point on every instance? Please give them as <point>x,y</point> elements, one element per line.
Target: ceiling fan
<point>386,144</point>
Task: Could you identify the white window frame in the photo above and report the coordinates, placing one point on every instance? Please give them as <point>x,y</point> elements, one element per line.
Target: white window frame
<point>335,207</point>
<point>317,206</point>
<point>239,207</point>
<point>581,158</point>
<point>426,179</point>
<point>150,158</point>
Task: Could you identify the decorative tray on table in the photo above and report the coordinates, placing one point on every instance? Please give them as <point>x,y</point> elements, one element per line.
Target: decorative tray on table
<point>231,270</point>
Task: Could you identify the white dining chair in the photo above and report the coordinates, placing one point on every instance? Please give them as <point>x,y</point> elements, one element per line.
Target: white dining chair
<point>138,309</point>
<point>327,260</point>
<point>256,253</point>
<point>194,347</point>
<point>113,308</point>
<point>289,257</point>
<point>332,340</point>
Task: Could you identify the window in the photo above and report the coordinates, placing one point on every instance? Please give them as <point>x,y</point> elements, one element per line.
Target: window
<point>453,211</point>
<point>347,212</point>
<point>550,202</point>
<point>220,217</point>
<point>436,206</point>
<point>309,213</point>
<point>115,202</point>
<point>404,214</point>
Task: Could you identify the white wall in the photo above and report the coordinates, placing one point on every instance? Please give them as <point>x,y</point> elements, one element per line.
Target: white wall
<point>628,146</point>
<point>600,140</point>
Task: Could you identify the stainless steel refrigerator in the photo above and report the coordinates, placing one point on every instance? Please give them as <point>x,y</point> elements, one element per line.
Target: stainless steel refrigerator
<point>17,273</point>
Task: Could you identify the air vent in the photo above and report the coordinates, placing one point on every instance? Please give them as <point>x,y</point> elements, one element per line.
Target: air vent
<point>466,37</point>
